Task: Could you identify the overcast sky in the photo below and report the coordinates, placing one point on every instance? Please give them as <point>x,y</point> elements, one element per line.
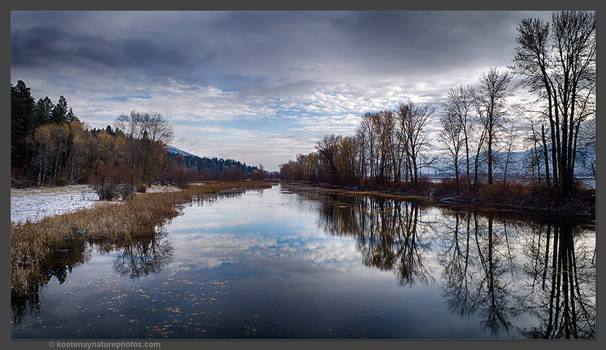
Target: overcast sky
<point>259,87</point>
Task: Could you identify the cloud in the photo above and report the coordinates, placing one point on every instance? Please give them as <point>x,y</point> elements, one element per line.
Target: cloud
<point>275,80</point>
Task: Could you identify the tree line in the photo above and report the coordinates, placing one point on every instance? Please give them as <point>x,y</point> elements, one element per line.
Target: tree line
<point>51,146</point>
<point>204,168</point>
<point>479,125</point>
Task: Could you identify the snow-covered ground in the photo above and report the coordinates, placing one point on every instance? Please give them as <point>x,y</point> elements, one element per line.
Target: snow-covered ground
<point>156,188</point>
<point>34,204</point>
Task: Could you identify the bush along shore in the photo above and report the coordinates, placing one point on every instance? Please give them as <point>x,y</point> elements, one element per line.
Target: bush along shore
<point>531,199</point>
<point>33,245</point>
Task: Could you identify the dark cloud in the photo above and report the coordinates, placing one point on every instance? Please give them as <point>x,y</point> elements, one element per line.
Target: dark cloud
<point>63,49</point>
<point>217,66</point>
<point>274,46</point>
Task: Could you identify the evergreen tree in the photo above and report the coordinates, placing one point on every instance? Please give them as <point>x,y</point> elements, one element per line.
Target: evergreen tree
<point>22,121</point>
<point>71,116</point>
<point>60,111</point>
<point>42,111</point>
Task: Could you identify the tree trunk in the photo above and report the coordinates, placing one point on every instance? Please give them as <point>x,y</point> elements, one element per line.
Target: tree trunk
<point>546,160</point>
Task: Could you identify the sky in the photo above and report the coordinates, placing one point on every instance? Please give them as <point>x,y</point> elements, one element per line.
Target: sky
<point>261,86</point>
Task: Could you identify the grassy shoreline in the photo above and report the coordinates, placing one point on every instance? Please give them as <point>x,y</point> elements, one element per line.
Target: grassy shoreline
<point>32,244</point>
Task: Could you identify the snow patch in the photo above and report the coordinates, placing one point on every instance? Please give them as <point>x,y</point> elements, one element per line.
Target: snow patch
<point>156,189</point>
<point>34,204</point>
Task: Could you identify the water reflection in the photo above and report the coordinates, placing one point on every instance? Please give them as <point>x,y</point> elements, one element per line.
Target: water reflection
<point>495,268</point>
<point>563,276</point>
<point>134,258</point>
<point>545,275</point>
<point>308,263</point>
<point>478,266</point>
<point>67,255</point>
<point>142,257</point>
<point>386,233</point>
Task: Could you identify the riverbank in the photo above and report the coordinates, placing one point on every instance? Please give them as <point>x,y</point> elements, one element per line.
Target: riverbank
<point>511,199</point>
<point>32,244</point>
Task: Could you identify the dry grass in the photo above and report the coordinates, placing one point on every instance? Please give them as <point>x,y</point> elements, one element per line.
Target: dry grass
<point>33,244</point>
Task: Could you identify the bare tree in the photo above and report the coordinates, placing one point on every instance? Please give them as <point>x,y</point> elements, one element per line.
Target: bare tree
<point>451,135</point>
<point>413,121</point>
<point>158,128</point>
<point>384,126</point>
<point>557,62</point>
<point>490,97</point>
<point>328,147</point>
<point>136,125</point>
<point>459,103</point>
<point>369,136</point>
<point>511,136</point>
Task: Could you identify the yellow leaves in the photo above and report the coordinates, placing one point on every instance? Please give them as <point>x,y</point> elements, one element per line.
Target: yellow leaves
<point>51,135</point>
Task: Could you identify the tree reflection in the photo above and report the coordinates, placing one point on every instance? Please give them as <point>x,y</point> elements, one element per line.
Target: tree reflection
<point>455,259</point>
<point>564,278</point>
<point>136,258</point>
<point>475,270</point>
<point>520,277</point>
<point>61,260</point>
<point>386,230</point>
<point>495,301</point>
<point>143,257</point>
<point>545,277</point>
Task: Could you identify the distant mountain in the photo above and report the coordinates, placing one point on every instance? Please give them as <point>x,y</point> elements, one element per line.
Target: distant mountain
<point>175,150</point>
<point>518,163</point>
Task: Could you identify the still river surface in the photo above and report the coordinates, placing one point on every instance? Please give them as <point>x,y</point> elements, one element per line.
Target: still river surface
<point>299,262</point>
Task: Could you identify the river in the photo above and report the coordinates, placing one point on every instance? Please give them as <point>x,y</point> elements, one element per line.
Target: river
<point>300,262</point>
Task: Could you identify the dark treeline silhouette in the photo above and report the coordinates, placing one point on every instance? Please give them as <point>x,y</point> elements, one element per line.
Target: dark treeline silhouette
<point>51,146</point>
<point>479,127</point>
<point>500,269</point>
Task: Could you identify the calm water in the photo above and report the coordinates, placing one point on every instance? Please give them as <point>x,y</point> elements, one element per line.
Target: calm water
<point>291,262</point>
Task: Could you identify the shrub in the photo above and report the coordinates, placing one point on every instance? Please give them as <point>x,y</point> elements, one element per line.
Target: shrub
<point>106,190</point>
<point>140,187</point>
<point>126,191</point>
<point>106,180</point>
